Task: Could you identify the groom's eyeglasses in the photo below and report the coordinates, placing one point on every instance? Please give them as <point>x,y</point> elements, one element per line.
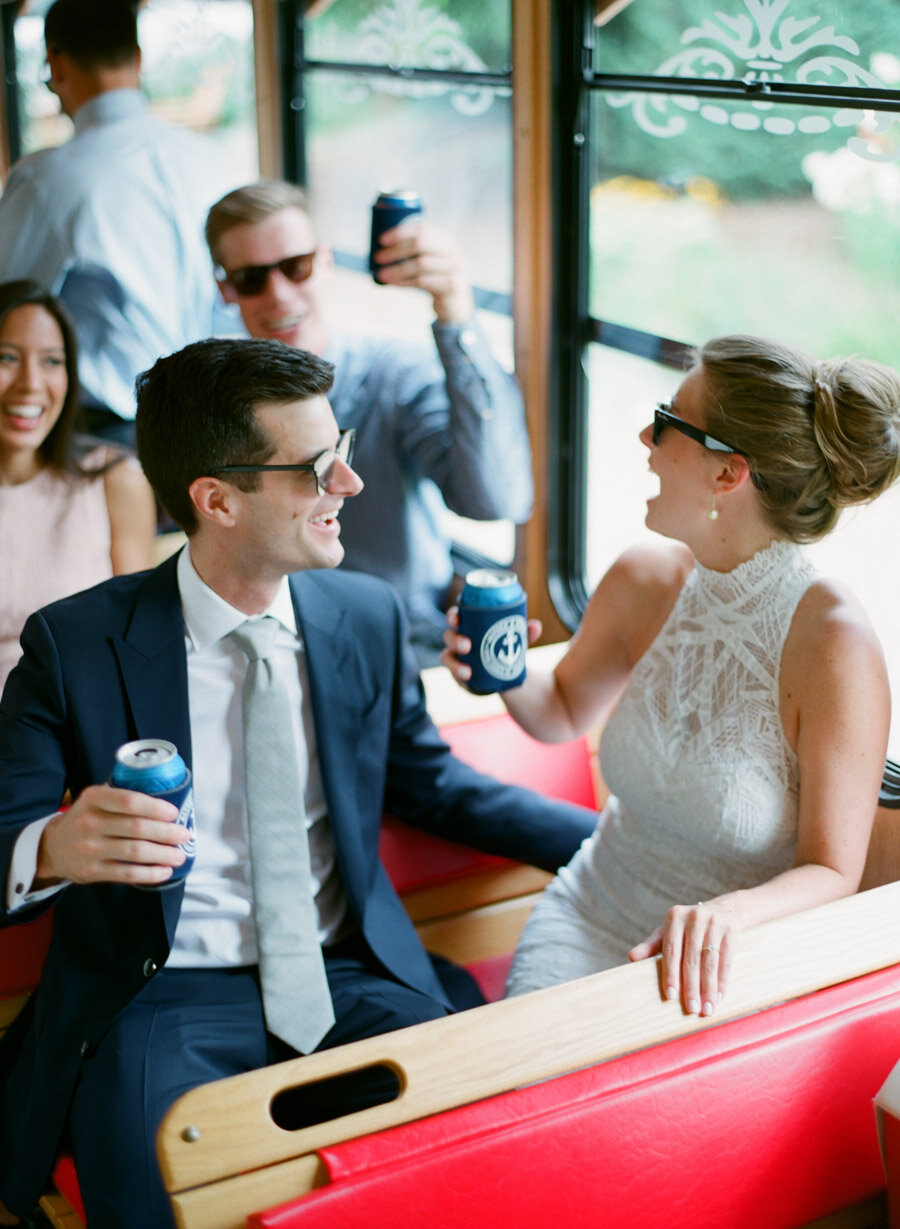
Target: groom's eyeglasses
<point>322,465</point>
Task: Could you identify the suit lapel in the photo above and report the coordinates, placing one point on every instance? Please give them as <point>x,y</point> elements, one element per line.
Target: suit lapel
<point>153,662</point>
<point>319,621</point>
<point>337,695</point>
<point>334,689</point>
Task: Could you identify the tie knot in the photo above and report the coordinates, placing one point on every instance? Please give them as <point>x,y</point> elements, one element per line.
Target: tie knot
<point>256,637</point>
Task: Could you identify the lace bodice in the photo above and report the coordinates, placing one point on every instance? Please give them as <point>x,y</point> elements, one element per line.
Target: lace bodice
<point>705,783</point>
<point>698,730</point>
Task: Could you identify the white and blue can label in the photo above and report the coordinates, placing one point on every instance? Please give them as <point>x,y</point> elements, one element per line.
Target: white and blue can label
<point>492,614</point>
<point>153,766</point>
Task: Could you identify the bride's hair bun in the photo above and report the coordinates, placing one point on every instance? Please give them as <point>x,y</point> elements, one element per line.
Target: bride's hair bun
<point>818,435</point>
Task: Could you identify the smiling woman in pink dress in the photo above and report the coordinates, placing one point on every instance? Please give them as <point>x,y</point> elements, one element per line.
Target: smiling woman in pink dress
<point>72,512</point>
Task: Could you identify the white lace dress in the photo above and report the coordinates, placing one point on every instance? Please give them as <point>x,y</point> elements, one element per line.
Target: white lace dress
<point>704,784</point>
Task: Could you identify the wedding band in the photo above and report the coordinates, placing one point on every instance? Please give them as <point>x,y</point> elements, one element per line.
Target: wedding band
<point>709,949</point>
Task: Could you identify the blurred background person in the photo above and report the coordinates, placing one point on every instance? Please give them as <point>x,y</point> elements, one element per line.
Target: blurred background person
<point>72,511</point>
<point>112,220</point>
<point>437,427</point>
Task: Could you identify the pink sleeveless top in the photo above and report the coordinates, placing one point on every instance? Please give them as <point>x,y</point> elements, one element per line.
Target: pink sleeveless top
<point>54,540</point>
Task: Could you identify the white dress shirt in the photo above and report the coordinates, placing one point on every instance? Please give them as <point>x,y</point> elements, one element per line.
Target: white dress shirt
<point>215,927</point>
<point>216,922</point>
<point>112,222</point>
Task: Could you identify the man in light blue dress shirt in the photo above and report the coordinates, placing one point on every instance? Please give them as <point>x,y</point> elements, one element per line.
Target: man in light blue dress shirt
<point>437,425</point>
<point>112,220</point>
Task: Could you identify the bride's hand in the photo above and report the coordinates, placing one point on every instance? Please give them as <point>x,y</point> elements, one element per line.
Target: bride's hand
<point>456,645</point>
<point>697,947</point>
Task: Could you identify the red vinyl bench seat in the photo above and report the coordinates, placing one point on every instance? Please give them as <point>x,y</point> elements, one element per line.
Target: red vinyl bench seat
<point>760,1122</point>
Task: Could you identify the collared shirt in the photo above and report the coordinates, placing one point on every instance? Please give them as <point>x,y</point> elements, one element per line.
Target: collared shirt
<point>215,927</point>
<point>436,426</point>
<point>112,222</point>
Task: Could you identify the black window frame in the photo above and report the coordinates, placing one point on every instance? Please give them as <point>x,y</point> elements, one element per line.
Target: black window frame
<point>8,12</point>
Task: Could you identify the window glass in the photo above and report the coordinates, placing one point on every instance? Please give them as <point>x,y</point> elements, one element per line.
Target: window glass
<point>468,35</point>
<point>197,69</point>
<point>711,215</point>
<point>811,42</point>
<point>455,154</point>
<point>774,231</point>
<point>625,390</point>
<point>451,143</point>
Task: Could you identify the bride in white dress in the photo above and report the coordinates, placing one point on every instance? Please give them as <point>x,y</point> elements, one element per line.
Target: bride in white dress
<point>745,698</point>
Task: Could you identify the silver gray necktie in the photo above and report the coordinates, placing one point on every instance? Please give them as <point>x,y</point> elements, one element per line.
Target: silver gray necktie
<point>296,998</point>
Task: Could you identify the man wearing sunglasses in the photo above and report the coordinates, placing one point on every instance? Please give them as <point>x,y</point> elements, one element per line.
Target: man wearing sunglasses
<point>146,992</point>
<point>112,220</point>
<point>437,426</point>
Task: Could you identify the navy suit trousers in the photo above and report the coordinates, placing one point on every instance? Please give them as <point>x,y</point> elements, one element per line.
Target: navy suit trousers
<point>190,1026</point>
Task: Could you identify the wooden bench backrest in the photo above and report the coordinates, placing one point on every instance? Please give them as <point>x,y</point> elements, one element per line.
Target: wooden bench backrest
<point>223,1156</point>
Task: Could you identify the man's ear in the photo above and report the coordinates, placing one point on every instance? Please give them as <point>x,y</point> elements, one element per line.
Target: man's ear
<point>324,258</point>
<point>58,63</point>
<point>226,290</point>
<point>214,500</point>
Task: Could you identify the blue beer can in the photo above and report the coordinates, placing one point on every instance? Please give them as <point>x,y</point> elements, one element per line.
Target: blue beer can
<point>492,610</point>
<point>153,766</point>
<point>390,209</point>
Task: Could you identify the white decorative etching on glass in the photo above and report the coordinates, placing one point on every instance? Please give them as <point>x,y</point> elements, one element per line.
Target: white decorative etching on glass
<point>407,34</point>
<point>758,47</point>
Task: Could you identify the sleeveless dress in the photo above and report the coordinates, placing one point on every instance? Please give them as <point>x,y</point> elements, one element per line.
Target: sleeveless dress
<point>704,783</point>
<point>56,540</point>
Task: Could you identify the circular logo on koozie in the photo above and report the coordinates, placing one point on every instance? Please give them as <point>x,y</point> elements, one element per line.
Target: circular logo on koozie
<point>503,647</point>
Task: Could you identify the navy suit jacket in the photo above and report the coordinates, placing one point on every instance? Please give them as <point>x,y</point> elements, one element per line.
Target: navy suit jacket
<point>109,665</point>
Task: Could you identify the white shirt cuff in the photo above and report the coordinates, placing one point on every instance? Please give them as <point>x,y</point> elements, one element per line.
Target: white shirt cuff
<point>23,867</point>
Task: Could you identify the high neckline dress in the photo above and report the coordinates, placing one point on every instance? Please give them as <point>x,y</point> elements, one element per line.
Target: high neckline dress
<point>704,785</point>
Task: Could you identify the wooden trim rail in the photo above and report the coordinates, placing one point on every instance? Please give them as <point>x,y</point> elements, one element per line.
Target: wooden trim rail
<point>222,1155</point>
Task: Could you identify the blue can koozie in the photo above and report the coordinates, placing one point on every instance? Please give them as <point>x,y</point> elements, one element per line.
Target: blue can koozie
<point>390,209</point>
<point>153,766</point>
<point>492,610</point>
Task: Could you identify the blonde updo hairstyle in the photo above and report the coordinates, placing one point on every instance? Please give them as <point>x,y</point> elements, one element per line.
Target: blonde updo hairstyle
<point>819,436</point>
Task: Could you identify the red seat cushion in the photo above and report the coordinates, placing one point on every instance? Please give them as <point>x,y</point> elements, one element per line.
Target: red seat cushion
<point>491,975</point>
<point>23,950</point>
<point>66,1181</point>
<point>495,745</point>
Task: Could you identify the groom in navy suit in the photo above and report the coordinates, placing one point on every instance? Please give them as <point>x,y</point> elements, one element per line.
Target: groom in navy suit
<point>147,990</point>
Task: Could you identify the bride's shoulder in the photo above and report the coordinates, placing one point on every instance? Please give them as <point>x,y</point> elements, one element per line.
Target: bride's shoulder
<point>652,567</point>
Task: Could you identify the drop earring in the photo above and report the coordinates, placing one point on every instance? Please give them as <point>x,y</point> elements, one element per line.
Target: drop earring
<point>713,513</point>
